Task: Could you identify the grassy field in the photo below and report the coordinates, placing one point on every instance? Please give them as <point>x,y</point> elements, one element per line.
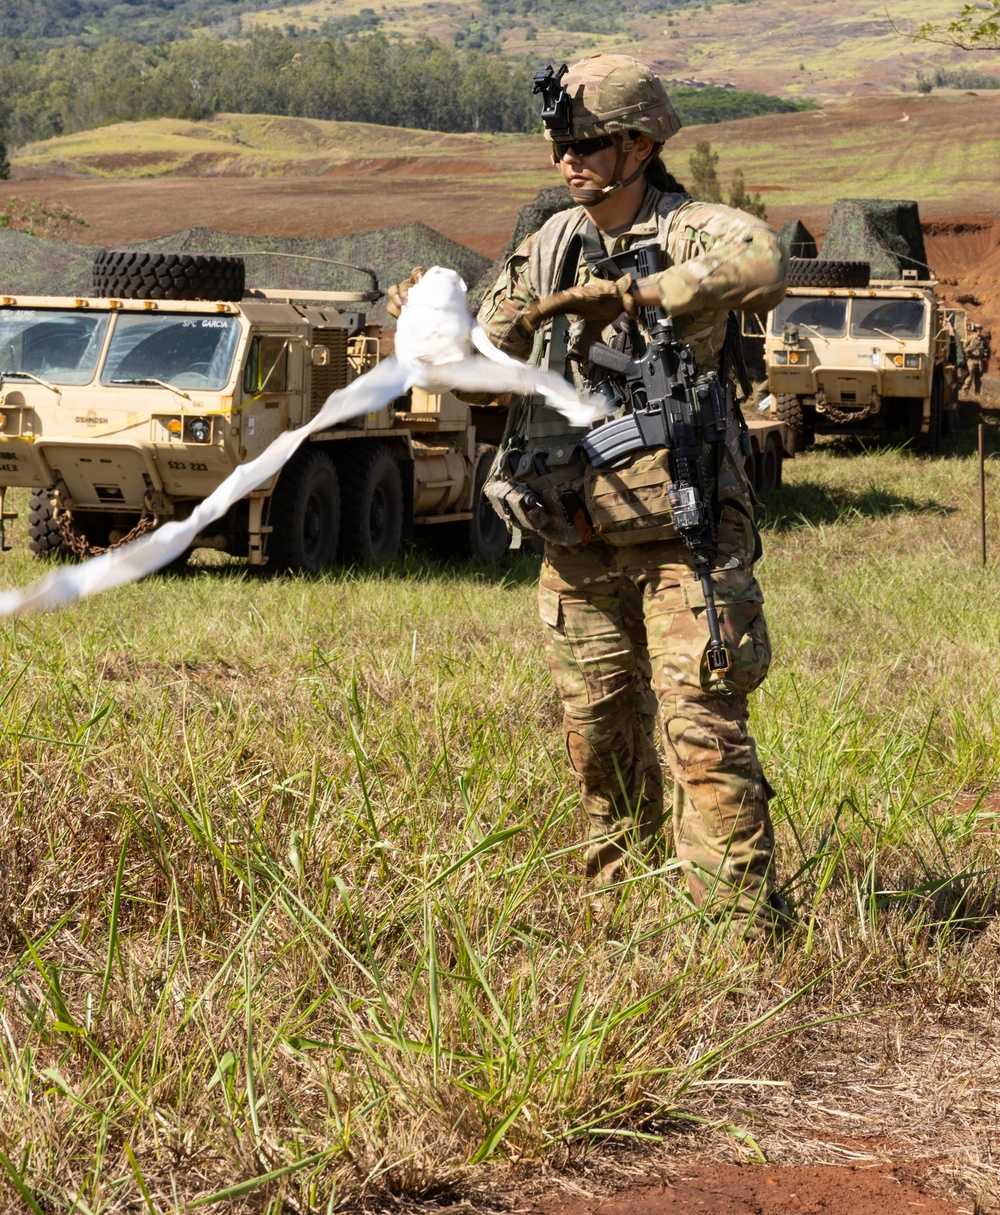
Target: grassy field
<point>942,149</point>
<point>291,913</point>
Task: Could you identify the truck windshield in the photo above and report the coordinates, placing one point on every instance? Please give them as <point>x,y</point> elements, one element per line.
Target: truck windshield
<point>61,346</point>
<point>824,315</point>
<point>186,351</point>
<point>888,318</point>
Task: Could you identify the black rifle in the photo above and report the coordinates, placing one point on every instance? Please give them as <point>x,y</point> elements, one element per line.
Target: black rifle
<point>673,407</point>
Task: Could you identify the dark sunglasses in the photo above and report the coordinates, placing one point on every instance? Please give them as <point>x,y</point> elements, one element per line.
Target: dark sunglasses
<point>584,147</point>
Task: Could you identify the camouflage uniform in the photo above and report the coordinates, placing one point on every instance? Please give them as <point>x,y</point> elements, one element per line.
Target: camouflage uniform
<point>625,622</point>
<point>975,349</point>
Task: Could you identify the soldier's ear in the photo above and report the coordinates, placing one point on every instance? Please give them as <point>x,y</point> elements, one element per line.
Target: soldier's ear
<point>642,145</point>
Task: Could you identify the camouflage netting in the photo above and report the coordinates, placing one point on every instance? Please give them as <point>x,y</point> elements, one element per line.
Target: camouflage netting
<point>797,240</point>
<point>548,202</point>
<point>31,266</point>
<point>883,232</point>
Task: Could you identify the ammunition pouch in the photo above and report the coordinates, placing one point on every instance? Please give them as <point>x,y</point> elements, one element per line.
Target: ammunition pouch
<point>541,492</point>
<point>630,504</point>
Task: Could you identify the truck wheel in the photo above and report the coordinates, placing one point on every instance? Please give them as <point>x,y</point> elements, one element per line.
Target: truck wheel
<point>790,410</point>
<point>769,466</point>
<point>931,441</point>
<point>372,528</point>
<point>44,538</point>
<point>813,272</point>
<point>132,274</point>
<point>936,427</point>
<point>305,514</point>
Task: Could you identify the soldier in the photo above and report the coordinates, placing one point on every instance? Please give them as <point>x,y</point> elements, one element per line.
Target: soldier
<point>625,619</point>
<point>974,352</point>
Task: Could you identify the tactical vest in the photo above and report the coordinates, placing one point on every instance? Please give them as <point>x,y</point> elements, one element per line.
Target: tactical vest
<point>543,484</point>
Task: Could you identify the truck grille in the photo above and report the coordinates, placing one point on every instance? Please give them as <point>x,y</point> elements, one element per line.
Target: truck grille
<point>335,374</point>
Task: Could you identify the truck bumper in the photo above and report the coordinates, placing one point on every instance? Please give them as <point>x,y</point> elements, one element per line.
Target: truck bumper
<point>102,476</point>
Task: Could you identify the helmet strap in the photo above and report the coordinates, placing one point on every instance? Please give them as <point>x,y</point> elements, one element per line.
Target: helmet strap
<point>591,195</point>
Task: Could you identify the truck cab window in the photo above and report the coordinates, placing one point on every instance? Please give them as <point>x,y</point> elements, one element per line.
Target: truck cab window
<point>59,346</point>
<point>897,318</point>
<point>187,351</point>
<point>825,316</point>
<point>266,368</point>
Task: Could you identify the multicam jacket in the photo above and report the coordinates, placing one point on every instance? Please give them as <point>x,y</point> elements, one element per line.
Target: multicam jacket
<point>716,259</point>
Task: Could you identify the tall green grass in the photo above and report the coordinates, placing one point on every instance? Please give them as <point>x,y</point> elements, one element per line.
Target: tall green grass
<point>291,906</point>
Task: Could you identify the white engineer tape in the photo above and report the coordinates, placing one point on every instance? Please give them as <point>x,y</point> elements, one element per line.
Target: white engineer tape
<point>434,349</point>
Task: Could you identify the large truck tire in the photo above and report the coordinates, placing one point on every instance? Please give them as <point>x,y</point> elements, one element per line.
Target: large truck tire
<point>132,274</point>
<point>929,441</point>
<point>44,537</point>
<point>769,466</point>
<point>372,524</point>
<point>305,514</point>
<point>932,441</point>
<point>790,410</point>
<point>814,272</point>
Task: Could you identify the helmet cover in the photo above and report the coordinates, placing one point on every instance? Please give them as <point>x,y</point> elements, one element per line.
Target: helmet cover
<point>615,94</point>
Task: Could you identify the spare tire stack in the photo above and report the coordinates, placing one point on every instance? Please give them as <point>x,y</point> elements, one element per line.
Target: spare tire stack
<point>816,272</point>
<point>134,274</point>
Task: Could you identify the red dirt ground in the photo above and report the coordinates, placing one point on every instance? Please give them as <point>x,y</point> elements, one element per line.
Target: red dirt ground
<point>732,1189</point>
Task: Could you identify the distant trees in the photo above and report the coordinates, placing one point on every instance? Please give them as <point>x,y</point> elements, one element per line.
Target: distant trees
<point>4,162</point>
<point>703,163</point>
<point>704,182</point>
<point>715,104</point>
<point>368,77</point>
<point>418,83</point>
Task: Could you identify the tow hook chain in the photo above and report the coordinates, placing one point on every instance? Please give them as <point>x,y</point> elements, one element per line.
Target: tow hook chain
<point>81,547</point>
<point>843,416</point>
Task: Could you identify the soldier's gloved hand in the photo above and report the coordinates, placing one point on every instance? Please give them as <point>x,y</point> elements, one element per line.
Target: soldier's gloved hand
<point>398,292</point>
<point>601,300</point>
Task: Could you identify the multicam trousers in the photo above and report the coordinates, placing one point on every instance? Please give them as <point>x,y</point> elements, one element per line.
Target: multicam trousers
<point>627,630</point>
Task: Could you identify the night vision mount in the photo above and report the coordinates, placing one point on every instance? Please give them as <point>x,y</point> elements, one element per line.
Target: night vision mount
<point>557,108</point>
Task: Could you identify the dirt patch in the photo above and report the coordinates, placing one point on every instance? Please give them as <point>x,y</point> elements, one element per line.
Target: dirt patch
<point>119,211</point>
<point>965,255</point>
<point>730,1189</point>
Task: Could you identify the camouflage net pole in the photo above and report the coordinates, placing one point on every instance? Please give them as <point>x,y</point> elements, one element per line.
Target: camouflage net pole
<point>435,338</point>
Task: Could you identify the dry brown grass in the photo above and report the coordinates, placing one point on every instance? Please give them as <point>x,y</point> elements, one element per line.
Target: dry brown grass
<point>290,905</point>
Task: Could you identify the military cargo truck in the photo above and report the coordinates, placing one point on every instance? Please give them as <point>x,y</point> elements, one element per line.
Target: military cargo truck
<point>869,358</point>
<point>122,410</point>
<point>864,345</point>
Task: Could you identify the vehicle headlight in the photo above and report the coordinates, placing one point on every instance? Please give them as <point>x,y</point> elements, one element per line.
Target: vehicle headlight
<point>895,359</point>
<point>793,356</point>
<point>199,430</point>
<point>912,360</point>
<point>780,356</point>
<point>174,428</point>
<point>3,421</point>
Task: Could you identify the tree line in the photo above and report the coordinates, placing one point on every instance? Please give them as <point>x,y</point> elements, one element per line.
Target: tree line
<point>418,83</point>
<point>370,78</point>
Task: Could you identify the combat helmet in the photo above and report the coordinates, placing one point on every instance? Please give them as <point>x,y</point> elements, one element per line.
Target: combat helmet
<point>605,95</point>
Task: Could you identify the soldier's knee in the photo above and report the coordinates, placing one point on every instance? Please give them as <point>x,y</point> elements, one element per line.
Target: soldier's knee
<point>602,738</point>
